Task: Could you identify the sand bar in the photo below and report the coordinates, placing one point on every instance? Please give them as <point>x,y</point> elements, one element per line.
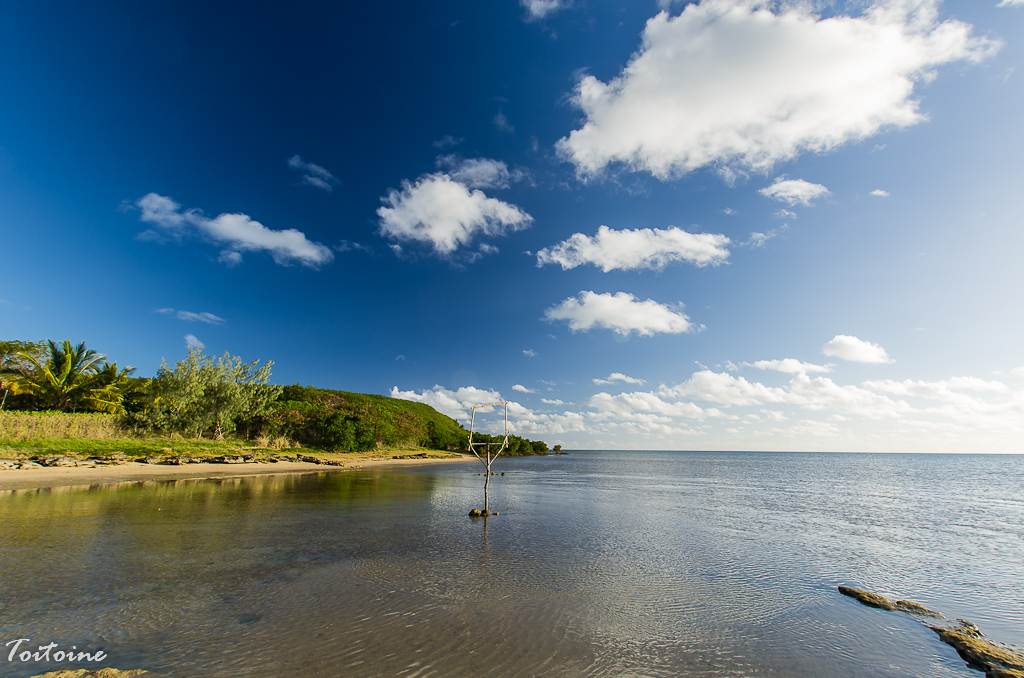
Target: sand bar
<point>40,478</point>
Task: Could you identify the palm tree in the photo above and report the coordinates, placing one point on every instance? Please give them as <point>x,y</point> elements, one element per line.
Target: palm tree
<point>73,377</point>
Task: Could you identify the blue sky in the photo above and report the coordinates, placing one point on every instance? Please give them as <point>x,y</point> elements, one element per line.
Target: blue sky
<point>662,225</point>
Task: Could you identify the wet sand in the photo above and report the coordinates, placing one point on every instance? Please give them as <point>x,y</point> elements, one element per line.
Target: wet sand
<point>47,477</point>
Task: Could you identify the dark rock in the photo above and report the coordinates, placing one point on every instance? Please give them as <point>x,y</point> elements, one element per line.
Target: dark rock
<point>868,598</point>
<point>307,458</point>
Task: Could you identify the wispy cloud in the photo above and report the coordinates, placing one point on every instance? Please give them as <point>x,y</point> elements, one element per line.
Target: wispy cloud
<point>447,141</point>
<point>502,123</point>
<point>879,193</point>
<point>733,85</point>
<point>238,232</point>
<point>203,317</point>
<point>192,341</point>
<point>620,312</point>
<point>522,389</point>
<point>851,348</point>
<point>794,191</point>
<point>529,353</point>
<point>642,248</point>
<point>313,175</point>
<point>478,172</point>
<point>538,9</point>
<point>618,376</point>
<point>788,366</point>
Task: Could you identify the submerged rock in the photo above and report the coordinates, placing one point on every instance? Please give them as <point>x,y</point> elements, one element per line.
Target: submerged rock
<point>910,607</point>
<point>868,598</point>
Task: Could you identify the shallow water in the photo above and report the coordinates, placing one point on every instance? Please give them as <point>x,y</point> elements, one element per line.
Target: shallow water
<point>600,564</point>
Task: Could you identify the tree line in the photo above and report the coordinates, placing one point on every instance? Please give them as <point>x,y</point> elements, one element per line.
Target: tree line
<point>219,395</point>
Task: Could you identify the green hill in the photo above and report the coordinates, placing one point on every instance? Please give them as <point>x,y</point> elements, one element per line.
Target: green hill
<point>341,420</point>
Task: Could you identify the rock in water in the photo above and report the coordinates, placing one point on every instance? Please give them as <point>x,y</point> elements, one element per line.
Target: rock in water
<point>967,639</point>
<point>910,607</point>
<point>868,598</point>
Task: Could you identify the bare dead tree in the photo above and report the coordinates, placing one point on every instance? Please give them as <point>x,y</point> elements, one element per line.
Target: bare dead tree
<point>488,458</point>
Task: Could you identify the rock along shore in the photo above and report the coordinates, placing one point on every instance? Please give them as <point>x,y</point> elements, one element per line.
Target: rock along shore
<point>995,660</point>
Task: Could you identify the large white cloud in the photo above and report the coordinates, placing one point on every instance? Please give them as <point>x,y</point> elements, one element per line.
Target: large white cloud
<point>445,214</point>
<point>636,249</point>
<point>734,84</point>
<point>794,191</point>
<point>621,312</point>
<point>238,232</point>
<point>855,350</point>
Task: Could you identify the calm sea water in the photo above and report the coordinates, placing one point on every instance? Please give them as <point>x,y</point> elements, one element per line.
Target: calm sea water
<point>600,564</point>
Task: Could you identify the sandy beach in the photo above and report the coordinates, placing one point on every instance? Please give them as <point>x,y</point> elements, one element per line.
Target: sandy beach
<point>15,480</point>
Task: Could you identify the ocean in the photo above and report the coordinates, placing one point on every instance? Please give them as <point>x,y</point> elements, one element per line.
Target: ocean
<point>637,563</point>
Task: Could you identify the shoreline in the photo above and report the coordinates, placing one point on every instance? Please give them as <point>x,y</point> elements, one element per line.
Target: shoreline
<point>38,479</point>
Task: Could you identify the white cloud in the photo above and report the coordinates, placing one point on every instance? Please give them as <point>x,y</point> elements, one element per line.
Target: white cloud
<point>230,258</point>
<point>456,404</point>
<point>794,191</point>
<point>618,376</point>
<point>502,123</point>
<point>522,389</point>
<point>238,231</point>
<point>758,239</point>
<point>555,401</point>
<point>529,353</point>
<point>313,175</point>
<point>879,193</point>
<point>788,366</point>
<point>725,389</point>
<point>945,390</point>
<point>856,350</point>
<point>447,141</point>
<point>1017,371</point>
<point>823,394</point>
<point>642,248</point>
<point>621,312</point>
<point>192,341</point>
<point>478,172</point>
<point>203,317</point>
<point>732,85</point>
<point>538,9</point>
<point>445,214</point>
<point>625,403</point>
<point>1011,3</point>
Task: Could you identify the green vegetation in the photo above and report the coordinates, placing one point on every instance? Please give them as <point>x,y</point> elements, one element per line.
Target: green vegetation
<point>202,394</point>
<point>92,407</point>
<point>63,377</point>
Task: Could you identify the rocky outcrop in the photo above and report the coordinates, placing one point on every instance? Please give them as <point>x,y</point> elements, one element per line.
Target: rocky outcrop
<point>868,598</point>
<point>968,640</point>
